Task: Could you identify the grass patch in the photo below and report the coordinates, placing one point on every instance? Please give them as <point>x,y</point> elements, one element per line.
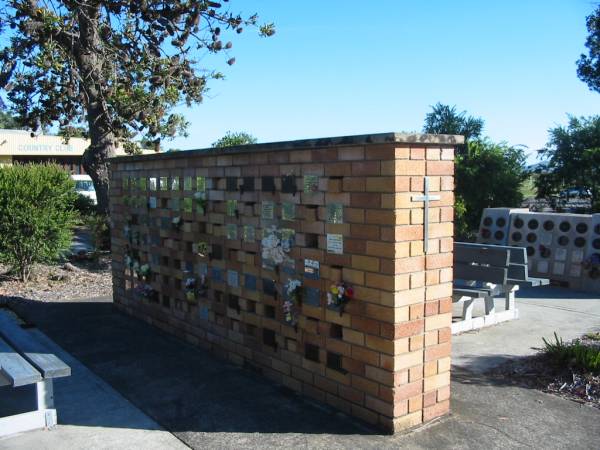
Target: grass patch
<point>574,354</point>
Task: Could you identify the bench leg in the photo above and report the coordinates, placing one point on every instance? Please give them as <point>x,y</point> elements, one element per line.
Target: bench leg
<point>45,394</point>
<point>510,297</point>
<point>490,307</point>
<point>467,309</point>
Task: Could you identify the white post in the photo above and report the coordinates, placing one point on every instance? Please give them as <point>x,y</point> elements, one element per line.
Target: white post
<point>45,394</point>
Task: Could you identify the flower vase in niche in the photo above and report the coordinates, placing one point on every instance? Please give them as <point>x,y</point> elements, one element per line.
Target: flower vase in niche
<point>338,296</point>
<point>202,249</point>
<point>147,292</point>
<point>190,289</point>
<point>201,202</point>
<point>291,302</point>
<point>144,272</point>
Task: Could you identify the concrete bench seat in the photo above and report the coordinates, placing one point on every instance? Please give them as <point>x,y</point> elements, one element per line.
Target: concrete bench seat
<point>25,361</point>
<point>484,271</point>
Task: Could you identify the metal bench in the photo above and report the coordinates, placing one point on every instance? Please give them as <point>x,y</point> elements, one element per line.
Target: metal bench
<point>484,271</point>
<point>26,361</point>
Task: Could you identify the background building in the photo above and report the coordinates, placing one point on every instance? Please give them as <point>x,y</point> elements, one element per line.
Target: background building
<point>17,146</point>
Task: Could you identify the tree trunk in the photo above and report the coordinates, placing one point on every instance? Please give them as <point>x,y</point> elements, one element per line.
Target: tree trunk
<point>102,138</point>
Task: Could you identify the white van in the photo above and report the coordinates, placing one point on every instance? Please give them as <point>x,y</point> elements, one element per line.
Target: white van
<point>85,186</point>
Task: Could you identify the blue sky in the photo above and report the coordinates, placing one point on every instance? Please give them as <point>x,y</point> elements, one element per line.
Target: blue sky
<point>340,67</point>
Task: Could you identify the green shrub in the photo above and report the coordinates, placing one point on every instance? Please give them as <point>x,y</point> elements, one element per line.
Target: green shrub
<point>36,215</point>
<point>84,205</point>
<point>574,354</point>
<point>100,228</point>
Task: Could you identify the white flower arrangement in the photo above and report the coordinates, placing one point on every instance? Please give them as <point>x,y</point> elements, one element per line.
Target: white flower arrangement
<point>292,285</point>
<point>274,249</point>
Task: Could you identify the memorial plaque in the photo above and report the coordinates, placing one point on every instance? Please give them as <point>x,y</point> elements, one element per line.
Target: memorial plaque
<point>164,183</point>
<point>231,208</point>
<point>203,312</point>
<point>249,282</point>
<point>288,184</point>
<point>288,239</point>
<point>187,183</point>
<point>312,269</point>
<point>560,254</point>
<point>248,233</point>
<point>288,211</point>
<point>187,205</point>
<point>202,269</point>
<point>267,210</point>
<point>558,269</point>
<point>542,266</point>
<point>546,239</point>
<point>268,184</point>
<point>217,274</point>
<point>311,184</point>
<point>269,287</point>
<point>312,296</point>
<point>232,184</point>
<point>577,256</point>
<point>335,213</point>
<point>231,231</point>
<point>232,279</point>
<point>335,244</point>
<point>201,184</point>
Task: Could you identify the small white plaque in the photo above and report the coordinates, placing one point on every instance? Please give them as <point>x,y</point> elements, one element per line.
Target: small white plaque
<point>542,267</point>
<point>560,254</point>
<point>335,244</point>
<point>559,269</point>
<point>577,256</point>
<point>546,239</point>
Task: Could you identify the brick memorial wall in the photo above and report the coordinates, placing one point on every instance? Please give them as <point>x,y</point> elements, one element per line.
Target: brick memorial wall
<point>303,260</point>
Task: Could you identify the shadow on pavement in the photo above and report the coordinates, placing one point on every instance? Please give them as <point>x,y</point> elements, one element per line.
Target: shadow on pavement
<point>183,388</point>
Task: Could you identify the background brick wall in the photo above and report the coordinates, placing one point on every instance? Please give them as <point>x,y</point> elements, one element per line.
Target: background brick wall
<point>386,358</point>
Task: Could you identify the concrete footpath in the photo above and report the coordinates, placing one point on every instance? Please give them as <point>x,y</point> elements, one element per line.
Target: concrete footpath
<point>207,403</point>
<point>92,415</point>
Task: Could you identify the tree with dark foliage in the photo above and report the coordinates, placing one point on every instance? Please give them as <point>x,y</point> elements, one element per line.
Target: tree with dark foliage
<point>117,67</point>
<point>445,119</point>
<point>588,66</point>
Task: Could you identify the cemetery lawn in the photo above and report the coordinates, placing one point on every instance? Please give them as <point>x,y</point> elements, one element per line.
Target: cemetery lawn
<point>76,279</point>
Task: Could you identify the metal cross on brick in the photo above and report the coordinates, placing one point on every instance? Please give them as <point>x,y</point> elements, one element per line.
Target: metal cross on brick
<point>426,197</point>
